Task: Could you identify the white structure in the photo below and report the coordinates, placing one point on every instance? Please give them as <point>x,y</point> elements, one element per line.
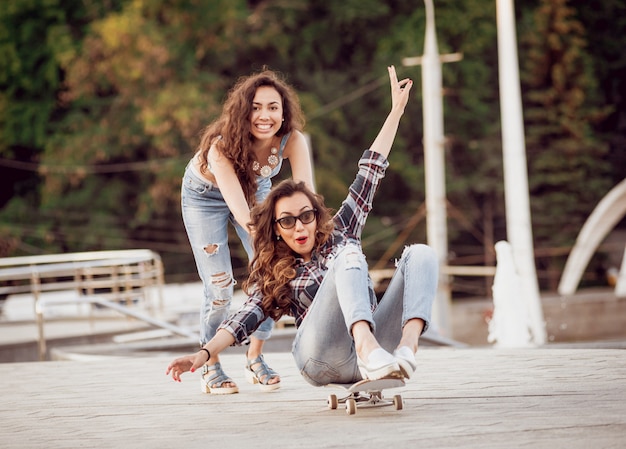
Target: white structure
<point>609,211</point>
<point>510,324</point>
<point>435,175</point>
<point>514,154</point>
<point>518,221</point>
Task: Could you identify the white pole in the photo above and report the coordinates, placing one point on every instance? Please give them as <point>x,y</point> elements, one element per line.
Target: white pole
<point>519,229</point>
<point>435,178</point>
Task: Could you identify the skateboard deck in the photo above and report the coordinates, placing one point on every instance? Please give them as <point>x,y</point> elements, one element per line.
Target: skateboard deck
<point>366,393</point>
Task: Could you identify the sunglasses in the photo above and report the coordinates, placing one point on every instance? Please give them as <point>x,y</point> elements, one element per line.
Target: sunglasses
<point>305,217</point>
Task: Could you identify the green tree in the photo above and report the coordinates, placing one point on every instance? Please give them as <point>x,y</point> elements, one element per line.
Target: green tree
<point>568,170</point>
<point>102,103</point>
<point>35,36</point>
<point>605,23</point>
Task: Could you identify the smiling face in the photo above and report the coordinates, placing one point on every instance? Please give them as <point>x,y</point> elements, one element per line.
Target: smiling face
<point>301,237</point>
<point>266,117</point>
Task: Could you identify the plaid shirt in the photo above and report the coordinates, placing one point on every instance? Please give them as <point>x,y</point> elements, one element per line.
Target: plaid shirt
<point>349,222</point>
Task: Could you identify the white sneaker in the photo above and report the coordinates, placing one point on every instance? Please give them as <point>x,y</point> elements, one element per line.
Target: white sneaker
<point>406,359</point>
<point>379,364</point>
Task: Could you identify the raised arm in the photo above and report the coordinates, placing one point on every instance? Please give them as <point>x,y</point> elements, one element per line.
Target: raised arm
<point>356,207</point>
<point>399,98</point>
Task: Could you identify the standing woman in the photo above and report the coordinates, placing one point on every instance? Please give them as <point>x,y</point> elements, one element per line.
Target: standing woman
<point>260,126</point>
<point>310,264</point>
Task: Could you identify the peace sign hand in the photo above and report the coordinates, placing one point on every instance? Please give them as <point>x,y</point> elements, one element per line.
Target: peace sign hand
<point>399,90</point>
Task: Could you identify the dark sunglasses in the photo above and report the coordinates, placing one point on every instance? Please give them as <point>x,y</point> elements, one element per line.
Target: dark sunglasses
<point>305,217</point>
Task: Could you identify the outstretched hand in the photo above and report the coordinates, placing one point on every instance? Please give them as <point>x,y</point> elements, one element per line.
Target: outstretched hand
<point>186,363</point>
<point>399,90</point>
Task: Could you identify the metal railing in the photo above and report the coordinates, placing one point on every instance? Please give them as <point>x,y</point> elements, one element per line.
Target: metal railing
<point>119,280</point>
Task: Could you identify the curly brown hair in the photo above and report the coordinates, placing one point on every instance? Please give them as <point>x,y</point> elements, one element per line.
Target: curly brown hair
<point>234,126</point>
<point>273,265</point>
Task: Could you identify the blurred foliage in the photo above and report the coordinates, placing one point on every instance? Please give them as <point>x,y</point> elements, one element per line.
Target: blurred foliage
<point>102,103</point>
<point>569,165</point>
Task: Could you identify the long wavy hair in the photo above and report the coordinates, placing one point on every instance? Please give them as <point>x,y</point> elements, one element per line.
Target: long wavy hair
<point>234,126</point>
<point>273,265</point>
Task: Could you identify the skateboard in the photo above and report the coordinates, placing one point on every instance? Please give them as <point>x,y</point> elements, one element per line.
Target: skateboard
<point>367,393</point>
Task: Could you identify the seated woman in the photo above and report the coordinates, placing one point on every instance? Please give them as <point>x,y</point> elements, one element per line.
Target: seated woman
<point>310,265</point>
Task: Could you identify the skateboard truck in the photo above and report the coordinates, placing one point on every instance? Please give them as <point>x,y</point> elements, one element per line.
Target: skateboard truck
<point>367,393</point>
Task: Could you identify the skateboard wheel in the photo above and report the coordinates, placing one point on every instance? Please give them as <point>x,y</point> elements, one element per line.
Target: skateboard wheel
<point>350,406</point>
<point>332,401</point>
<point>397,402</point>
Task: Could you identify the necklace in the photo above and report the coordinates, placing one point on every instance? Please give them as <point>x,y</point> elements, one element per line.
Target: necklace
<point>272,161</point>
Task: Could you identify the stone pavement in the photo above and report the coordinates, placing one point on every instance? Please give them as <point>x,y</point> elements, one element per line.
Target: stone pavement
<point>478,397</point>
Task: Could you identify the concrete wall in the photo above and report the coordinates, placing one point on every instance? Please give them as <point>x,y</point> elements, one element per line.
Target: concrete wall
<point>592,315</point>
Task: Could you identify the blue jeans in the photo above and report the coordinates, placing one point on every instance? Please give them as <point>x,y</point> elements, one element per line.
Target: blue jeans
<point>323,348</point>
<point>206,217</point>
